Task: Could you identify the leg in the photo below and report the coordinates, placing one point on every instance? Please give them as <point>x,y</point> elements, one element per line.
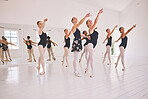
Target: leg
<point>33,54</point>
<point>9,54</point>
<point>6,55</point>
<point>3,56</point>
<point>30,58</point>
<point>53,57</point>
<point>116,64</point>
<point>82,55</point>
<point>75,62</point>
<point>108,52</point>
<point>105,55</point>
<point>66,54</point>
<point>48,49</point>
<point>122,50</point>
<point>86,52</point>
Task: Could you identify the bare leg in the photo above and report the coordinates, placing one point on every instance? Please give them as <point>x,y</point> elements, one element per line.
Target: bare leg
<point>53,57</point>
<point>9,54</point>
<point>33,54</point>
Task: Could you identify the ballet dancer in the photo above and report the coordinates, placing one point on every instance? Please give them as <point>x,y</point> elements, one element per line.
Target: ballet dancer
<point>85,46</point>
<point>92,42</point>
<point>41,45</point>
<point>5,49</point>
<point>77,44</point>
<point>29,44</point>
<point>109,43</point>
<point>66,47</point>
<point>2,60</point>
<point>123,45</point>
<point>49,49</point>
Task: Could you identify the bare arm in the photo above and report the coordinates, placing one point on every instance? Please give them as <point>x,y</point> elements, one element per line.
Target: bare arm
<point>96,20</point>
<point>3,42</point>
<point>118,39</point>
<point>104,40</point>
<point>24,39</point>
<point>82,20</point>
<point>53,43</point>
<point>130,29</point>
<point>113,30</point>
<point>41,29</point>
<point>33,42</point>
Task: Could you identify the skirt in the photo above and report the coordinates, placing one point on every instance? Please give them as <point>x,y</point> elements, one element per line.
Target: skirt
<point>77,45</point>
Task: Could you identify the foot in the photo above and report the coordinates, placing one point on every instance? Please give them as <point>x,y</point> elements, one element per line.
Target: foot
<point>123,69</point>
<point>77,74</point>
<point>34,60</point>
<point>2,61</point>
<point>6,60</point>
<point>62,63</point>
<point>42,73</point>
<point>38,68</point>
<point>86,70</point>
<point>48,59</point>
<point>30,61</point>
<point>10,60</point>
<point>103,61</point>
<point>54,58</point>
<point>79,60</point>
<point>108,63</point>
<point>91,76</point>
<point>67,65</point>
<point>115,65</point>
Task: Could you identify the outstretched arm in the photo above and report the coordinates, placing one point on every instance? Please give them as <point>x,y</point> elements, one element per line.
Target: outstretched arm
<point>104,40</point>
<point>24,42</point>
<point>96,20</point>
<point>24,39</point>
<point>130,29</point>
<point>118,39</point>
<point>82,20</point>
<point>113,30</point>
<point>4,42</point>
<point>53,43</point>
<point>33,42</point>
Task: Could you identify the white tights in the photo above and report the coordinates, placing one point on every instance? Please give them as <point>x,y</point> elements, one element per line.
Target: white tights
<point>122,50</point>
<point>107,52</point>
<point>65,55</point>
<point>76,61</point>
<point>90,59</point>
<point>41,57</point>
<point>84,51</point>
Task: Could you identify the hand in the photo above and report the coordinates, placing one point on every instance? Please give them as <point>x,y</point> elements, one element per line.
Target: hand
<point>134,26</point>
<point>45,20</point>
<point>88,15</point>
<point>96,28</point>
<point>103,42</point>
<point>101,11</point>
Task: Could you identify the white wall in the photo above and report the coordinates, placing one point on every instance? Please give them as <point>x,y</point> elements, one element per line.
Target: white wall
<point>138,37</point>
<point>59,16</point>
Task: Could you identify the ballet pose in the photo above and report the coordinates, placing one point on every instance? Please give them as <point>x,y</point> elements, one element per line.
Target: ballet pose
<point>123,45</point>
<point>66,47</point>
<point>29,44</point>
<point>41,45</point>
<point>92,42</point>
<point>5,49</point>
<point>77,44</point>
<point>85,46</point>
<point>49,49</point>
<point>108,45</point>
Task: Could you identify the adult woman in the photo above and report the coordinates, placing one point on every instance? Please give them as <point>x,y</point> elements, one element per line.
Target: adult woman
<point>123,45</point>
<point>41,45</point>
<point>108,45</point>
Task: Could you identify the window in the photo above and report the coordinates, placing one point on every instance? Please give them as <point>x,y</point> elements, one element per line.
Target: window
<point>12,37</point>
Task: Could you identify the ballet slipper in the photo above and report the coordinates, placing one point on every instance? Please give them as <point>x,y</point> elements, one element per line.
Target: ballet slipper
<point>116,65</point>
<point>86,70</point>
<point>77,75</point>
<point>62,63</point>
<point>91,76</point>
<point>123,69</point>
<point>38,68</point>
<point>42,73</point>
<point>79,60</point>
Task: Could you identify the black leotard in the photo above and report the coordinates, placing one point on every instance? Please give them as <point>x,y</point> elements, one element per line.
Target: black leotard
<point>4,47</point>
<point>48,43</point>
<point>67,42</point>
<point>109,41</point>
<point>86,41</point>
<point>123,42</point>
<point>43,39</point>
<point>94,38</point>
<point>29,46</point>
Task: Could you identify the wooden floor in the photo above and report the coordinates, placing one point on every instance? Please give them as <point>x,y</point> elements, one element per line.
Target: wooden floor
<point>21,81</point>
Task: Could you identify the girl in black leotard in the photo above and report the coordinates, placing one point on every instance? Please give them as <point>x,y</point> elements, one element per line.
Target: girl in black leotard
<point>77,45</point>
<point>29,44</point>
<point>123,45</point>
<point>5,49</point>
<point>49,49</point>
<point>41,45</point>
<point>108,45</point>
<point>85,46</point>
<point>66,47</point>
<point>92,42</point>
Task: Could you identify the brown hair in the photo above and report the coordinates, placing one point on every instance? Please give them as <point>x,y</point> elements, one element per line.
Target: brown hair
<point>38,22</point>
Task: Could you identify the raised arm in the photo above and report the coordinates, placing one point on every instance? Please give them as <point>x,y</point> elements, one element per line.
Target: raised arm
<point>43,25</point>
<point>113,30</point>
<point>96,20</point>
<point>82,20</point>
<point>130,29</point>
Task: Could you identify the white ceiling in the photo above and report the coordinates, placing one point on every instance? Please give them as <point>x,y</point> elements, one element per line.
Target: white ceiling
<point>117,5</point>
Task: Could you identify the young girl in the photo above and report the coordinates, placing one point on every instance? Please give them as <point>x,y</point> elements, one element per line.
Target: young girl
<point>77,44</point>
<point>66,47</point>
<point>41,45</point>
<point>29,44</point>
<point>92,42</point>
<point>123,45</point>
<point>49,49</point>
<point>108,45</point>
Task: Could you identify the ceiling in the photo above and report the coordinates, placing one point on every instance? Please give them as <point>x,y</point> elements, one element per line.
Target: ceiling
<point>117,5</point>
